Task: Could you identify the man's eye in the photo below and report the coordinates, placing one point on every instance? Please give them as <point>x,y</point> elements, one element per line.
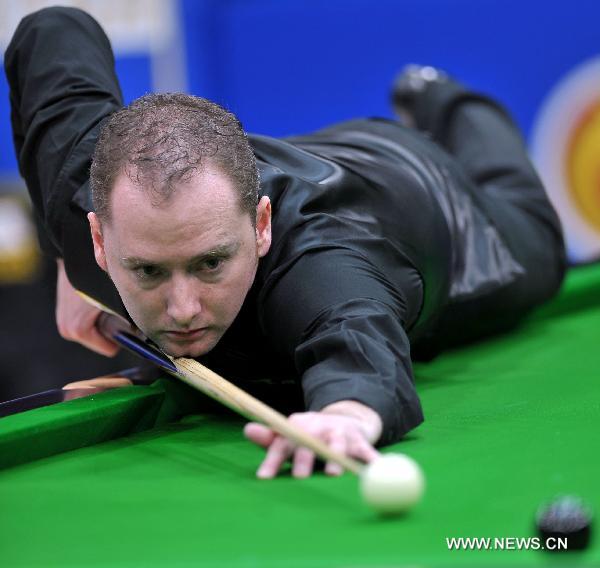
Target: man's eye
<point>148,272</point>
<point>212,264</point>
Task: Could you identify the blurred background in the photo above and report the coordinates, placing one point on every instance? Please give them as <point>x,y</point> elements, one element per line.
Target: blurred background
<point>291,66</point>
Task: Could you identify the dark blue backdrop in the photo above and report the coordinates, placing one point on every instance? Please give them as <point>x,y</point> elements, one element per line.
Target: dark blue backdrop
<point>289,66</point>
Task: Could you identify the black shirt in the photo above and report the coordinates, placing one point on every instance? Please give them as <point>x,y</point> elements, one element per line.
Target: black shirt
<point>364,257</point>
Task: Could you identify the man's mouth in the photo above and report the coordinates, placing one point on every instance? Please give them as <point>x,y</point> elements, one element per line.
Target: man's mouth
<point>189,335</point>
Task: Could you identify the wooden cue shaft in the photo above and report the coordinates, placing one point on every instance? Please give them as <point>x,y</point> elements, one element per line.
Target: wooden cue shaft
<point>210,383</point>
<point>202,378</point>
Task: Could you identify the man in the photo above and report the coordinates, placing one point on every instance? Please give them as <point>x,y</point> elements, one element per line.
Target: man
<point>361,238</point>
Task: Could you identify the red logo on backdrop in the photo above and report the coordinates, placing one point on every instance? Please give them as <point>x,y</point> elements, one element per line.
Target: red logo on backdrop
<point>566,149</point>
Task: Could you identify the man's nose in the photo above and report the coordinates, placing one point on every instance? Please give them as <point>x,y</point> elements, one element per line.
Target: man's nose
<point>183,300</point>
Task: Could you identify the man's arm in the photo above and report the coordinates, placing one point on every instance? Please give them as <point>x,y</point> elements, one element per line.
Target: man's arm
<point>343,324</point>
<point>60,70</point>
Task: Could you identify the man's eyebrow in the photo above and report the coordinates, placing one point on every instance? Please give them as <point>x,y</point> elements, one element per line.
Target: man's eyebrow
<point>225,249</point>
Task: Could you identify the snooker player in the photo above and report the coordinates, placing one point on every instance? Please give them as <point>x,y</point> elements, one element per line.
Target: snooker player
<point>321,259</point>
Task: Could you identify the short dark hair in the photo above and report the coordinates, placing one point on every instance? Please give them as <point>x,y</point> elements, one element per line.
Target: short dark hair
<point>161,139</point>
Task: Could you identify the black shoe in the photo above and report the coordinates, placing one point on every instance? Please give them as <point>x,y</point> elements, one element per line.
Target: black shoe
<point>410,85</point>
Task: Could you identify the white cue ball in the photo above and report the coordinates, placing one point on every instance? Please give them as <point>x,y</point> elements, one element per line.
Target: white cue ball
<point>392,483</point>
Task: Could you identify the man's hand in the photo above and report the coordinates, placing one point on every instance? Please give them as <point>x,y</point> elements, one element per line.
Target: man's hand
<point>347,427</point>
<point>76,319</point>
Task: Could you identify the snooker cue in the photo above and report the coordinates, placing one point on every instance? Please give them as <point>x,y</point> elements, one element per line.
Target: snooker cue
<point>220,389</point>
<point>210,383</point>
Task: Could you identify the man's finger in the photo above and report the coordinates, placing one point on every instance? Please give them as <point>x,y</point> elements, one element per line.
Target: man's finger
<point>259,434</point>
<point>279,451</point>
<point>365,452</point>
<point>304,461</point>
<point>102,382</point>
<point>338,444</point>
<point>360,448</point>
<point>100,344</point>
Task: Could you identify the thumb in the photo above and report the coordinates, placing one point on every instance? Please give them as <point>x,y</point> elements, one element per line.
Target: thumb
<point>259,434</point>
<point>99,343</point>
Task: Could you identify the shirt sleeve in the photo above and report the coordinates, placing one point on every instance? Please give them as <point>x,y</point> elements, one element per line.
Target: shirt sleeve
<point>60,69</point>
<point>343,324</point>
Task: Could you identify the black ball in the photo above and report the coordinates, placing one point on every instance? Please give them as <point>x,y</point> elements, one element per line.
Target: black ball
<point>564,518</point>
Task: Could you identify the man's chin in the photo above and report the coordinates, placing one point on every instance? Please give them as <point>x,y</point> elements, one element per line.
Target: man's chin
<point>192,349</point>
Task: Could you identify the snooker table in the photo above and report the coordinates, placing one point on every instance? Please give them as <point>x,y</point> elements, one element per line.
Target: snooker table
<point>510,423</point>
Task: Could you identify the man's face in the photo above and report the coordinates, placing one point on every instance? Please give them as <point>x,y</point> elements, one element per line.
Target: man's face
<point>184,267</point>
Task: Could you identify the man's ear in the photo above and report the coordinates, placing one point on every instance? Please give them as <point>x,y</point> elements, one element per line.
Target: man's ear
<point>263,226</point>
<point>98,240</point>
